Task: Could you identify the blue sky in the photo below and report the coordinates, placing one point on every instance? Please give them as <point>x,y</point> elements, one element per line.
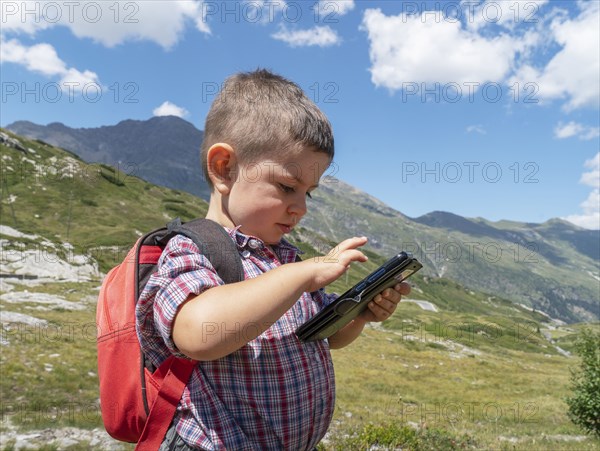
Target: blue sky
<point>481,108</point>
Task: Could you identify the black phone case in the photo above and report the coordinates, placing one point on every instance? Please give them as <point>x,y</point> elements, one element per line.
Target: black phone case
<point>350,304</point>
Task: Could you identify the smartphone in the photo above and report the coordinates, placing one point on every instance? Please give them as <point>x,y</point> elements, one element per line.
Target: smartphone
<point>350,304</point>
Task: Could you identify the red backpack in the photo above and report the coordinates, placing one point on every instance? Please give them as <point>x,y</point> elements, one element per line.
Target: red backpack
<point>137,400</point>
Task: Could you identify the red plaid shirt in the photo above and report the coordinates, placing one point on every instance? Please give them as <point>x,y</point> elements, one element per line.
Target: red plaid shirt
<point>275,392</point>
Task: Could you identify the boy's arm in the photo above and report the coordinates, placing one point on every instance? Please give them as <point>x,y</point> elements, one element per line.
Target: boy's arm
<point>379,309</point>
<point>222,319</point>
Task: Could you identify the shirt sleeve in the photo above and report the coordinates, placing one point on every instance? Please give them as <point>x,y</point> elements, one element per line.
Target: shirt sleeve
<point>324,299</point>
<point>182,271</point>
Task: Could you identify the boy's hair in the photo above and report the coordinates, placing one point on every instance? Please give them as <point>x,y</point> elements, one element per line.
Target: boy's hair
<point>262,114</point>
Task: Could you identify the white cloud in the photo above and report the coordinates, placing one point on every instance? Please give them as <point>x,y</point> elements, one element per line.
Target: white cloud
<point>78,80</point>
<point>25,17</point>
<point>476,129</point>
<point>43,59</point>
<point>162,22</point>
<point>109,23</point>
<point>331,9</point>
<point>170,109</point>
<point>491,42</point>
<point>322,36</point>
<point>573,72</point>
<point>583,132</point>
<point>507,14</point>
<point>592,177</point>
<point>422,48</point>
<point>590,218</point>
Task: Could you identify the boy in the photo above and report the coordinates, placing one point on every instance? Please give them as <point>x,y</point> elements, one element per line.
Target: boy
<point>256,386</point>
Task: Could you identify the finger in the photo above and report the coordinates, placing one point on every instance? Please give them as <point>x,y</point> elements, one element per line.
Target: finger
<point>354,255</point>
<point>379,312</point>
<point>403,288</point>
<point>346,257</point>
<point>352,243</point>
<point>334,255</point>
<point>385,303</point>
<point>392,295</point>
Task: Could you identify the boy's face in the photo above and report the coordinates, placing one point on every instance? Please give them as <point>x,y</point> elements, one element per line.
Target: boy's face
<point>269,197</point>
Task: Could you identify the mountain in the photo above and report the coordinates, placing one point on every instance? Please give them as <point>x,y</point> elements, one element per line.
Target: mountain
<point>583,240</point>
<point>553,267</point>
<point>69,221</point>
<point>62,220</point>
<point>94,210</point>
<point>164,150</point>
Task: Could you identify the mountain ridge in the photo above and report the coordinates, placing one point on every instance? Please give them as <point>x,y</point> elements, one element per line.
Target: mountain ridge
<point>493,354</point>
<point>32,130</point>
<point>135,145</point>
<point>551,266</point>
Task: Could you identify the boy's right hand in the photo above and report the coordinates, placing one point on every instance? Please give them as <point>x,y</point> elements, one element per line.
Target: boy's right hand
<point>243,306</point>
<point>330,267</point>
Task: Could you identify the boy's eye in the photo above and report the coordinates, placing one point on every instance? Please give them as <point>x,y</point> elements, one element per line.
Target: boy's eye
<point>291,189</point>
<point>286,189</point>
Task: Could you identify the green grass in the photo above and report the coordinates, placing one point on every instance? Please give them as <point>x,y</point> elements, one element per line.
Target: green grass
<point>392,390</point>
<point>87,205</point>
<point>477,374</point>
<point>49,373</point>
<point>384,379</point>
<point>565,336</point>
<point>396,436</point>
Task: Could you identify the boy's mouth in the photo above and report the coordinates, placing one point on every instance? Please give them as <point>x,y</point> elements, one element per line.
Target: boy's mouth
<point>285,228</point>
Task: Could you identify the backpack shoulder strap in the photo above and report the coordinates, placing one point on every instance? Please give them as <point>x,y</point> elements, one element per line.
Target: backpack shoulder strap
<point>215,243</point>
<point>162,411</point>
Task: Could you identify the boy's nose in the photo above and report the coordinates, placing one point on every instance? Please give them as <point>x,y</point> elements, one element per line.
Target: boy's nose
<point>298,208</point>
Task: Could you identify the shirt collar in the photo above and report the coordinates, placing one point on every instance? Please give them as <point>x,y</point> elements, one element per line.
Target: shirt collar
<point>244,241</point>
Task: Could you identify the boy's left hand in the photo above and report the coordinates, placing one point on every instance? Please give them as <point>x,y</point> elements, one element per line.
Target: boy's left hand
<point>384,304</point>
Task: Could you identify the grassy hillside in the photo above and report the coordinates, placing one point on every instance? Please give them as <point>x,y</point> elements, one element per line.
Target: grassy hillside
<point>480,373</point>
<point>553,267</point>
<point>99,209</point>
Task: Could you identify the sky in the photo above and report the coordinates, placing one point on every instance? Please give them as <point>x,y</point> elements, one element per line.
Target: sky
<point>480,108</point>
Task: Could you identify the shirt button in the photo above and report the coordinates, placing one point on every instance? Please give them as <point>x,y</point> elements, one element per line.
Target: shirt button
<point>253,244</point>
<point>246,253</point>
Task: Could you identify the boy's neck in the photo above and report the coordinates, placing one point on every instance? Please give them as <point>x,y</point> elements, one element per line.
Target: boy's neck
<point>216,212</point>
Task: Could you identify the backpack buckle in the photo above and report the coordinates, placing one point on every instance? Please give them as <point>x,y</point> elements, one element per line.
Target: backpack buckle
<point>174,226</point>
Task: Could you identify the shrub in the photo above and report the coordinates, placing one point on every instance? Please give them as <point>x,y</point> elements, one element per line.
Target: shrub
<point>114,179</point>
<point>89,202</point>
<point>391,436</point>
<point>584,405</point>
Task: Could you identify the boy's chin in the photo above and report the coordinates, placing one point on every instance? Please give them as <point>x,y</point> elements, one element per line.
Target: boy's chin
<point>274,238</point>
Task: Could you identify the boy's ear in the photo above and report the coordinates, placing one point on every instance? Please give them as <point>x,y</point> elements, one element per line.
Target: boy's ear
<point>221,162</point>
